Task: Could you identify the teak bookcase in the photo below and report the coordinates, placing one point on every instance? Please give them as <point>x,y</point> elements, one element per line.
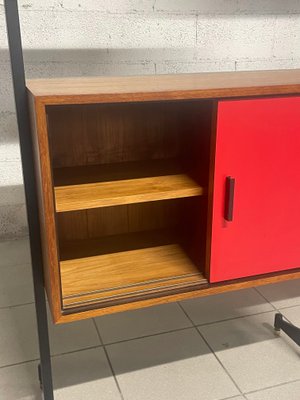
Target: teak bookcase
<point>159,188</point>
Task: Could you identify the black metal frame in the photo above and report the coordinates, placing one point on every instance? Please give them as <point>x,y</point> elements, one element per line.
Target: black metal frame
<point>291,330</point>
<point>23,120</point>
<point>22,111</point>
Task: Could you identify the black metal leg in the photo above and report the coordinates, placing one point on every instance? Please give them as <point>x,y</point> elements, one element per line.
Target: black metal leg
<point>18,75</point>
<point>40,376</point>
<point>291,330</point>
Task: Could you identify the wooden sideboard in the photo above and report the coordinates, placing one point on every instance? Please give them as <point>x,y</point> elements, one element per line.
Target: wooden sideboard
<point>155,189</point>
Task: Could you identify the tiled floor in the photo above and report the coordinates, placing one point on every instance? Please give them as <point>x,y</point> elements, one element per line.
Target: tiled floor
<point>214,348</point>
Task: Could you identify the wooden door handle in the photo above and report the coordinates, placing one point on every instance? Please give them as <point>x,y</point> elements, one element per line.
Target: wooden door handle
<point>229,198</point>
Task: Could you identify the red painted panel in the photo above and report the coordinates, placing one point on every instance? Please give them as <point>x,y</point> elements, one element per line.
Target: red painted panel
<point>258,144</point>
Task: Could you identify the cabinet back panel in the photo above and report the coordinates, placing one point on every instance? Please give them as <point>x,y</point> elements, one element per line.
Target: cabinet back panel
<point>99,222</point>
<point>185,219</point>
<point>82,135</point>
<point>111,133</point>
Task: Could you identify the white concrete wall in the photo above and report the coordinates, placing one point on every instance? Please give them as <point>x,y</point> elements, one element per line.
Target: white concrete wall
<point>112,37</point>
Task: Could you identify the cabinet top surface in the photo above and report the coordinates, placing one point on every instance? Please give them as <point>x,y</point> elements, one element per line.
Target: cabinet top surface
<point>165,87</point>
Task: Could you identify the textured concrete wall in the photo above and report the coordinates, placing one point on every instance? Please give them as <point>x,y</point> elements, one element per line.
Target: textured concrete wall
<point>91,37</point>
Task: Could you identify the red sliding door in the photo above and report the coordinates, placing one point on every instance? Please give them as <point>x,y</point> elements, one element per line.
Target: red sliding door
<point>256,200</point>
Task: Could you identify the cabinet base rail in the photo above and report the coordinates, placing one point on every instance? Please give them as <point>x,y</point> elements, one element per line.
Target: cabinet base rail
<point>291,330</point>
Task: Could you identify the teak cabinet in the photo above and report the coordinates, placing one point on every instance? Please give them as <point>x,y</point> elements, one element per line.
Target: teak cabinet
<point>161,188</point>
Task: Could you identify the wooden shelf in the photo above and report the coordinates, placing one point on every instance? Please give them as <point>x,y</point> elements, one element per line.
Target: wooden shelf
<point>124,266</point>
<point>79,188</point>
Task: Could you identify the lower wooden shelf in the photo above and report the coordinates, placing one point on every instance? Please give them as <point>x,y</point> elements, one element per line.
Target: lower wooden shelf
<point>126,266</point>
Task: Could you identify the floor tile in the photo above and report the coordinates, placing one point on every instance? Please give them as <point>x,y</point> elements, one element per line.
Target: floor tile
<point>18,338</point>
<point>292,314</point>
<point>254,355</point>
<point>225,306</point>
<point>20,382</point>
<point>18,335</point>
<point>143,322</point>
<point>176,365</point>
<point>289,391</point>
<point>84,375</point>
<point>74,336</point>
<point>15,252</point>
<point>16,285</point>
<point>282,294</point>
<point>77,376</point>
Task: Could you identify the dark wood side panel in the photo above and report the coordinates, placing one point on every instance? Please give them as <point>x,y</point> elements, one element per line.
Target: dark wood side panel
<point>46,206</point>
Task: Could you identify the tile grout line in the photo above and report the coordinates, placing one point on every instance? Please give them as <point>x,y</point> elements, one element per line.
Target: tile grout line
<point>19,363</point>
<point>286,307</point>
<point>52,356</point>
<point>16,305</point>
<point>275,308</point>
<point>279,311</point>
<point>210,348</point>
<point>261,295</point>
<point>122,341</point>
<point>264,312</point>
<point>16,264</point>
<point>108,360</point>
<point>148,336</point>
<point>233,318</point>
<point>271,387</point>
<point>76,351</point>
<point>220,362</point>
<point>23,237</point>
<point>103,346</point>
<point>183,329</point>
<point>234,397</point>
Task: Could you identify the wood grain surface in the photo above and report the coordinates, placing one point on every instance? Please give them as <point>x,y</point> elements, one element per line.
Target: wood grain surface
<point>124,265</point>
<point>128,191</point>
<point>165,87</point>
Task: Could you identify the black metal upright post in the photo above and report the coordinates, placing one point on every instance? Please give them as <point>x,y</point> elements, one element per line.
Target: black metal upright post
<point>22,110</point>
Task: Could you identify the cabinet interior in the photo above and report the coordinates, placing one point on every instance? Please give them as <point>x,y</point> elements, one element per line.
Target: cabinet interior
<point>130,187</point>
